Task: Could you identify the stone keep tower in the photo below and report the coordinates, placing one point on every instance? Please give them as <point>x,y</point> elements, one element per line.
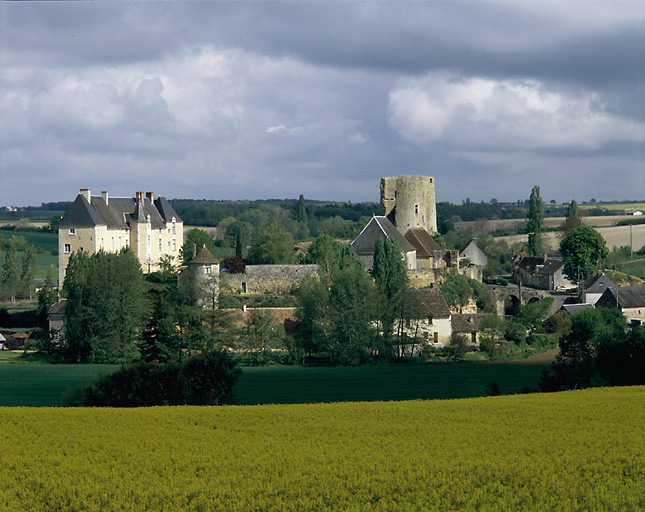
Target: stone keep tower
<point>408,201</point>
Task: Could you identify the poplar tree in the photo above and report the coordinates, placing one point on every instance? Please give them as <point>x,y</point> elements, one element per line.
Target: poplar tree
<point>391,279</point>
<point>535,218</point>
<point>11,275</point>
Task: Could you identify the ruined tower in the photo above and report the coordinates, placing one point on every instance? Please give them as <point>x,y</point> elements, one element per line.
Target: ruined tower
<point>408,201</point>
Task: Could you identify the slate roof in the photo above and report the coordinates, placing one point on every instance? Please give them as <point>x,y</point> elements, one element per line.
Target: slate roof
<point>422,242</point>
<point>424,303</point>
<point>58,308</point>
<point>572,309</point>
<point>118,213</point>
<point>376,228</point>
<point>538,265</point>
<point>625,297</point>
<point>204,257</point>
<point>81,214</point>
<point>597,283</point>
<point>550,266</point>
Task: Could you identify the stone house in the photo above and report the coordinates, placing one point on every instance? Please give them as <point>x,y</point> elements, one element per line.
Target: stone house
<point>148,225</point>
<point>630,300</point>
<point>592,288</point>
<point>202,272</point>
<point>469,325</point>
<point>427,317</point>
<point>544,273</point>
<point>474,254</point>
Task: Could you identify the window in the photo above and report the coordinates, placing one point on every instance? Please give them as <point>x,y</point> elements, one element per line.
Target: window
<point>430,320</point>
<point>68,248</point>
<point>208,270</point>
<point>160,244</point>
<point>243,287</point>
<point>72,231</point>
<point>416,209</point>
<point>436,337</point>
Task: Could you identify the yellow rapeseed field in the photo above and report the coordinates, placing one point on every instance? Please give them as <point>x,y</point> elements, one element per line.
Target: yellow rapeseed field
<point>578,450</point>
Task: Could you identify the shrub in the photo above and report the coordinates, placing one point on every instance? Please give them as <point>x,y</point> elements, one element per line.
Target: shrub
<point>515,332</point>
<point>207,379</point>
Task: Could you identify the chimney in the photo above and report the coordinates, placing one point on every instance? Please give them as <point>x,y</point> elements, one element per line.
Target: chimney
<point>194,250</point>
<point>545,257</point>
<point>85,192</point>
<point>139,197</point>
<point>150,196</point>
<point>104,195</point>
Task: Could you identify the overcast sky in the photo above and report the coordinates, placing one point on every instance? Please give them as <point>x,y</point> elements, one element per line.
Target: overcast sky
<point>258,100</point>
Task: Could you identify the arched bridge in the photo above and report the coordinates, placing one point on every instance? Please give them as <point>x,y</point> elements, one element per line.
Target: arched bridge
<point>515,295</point>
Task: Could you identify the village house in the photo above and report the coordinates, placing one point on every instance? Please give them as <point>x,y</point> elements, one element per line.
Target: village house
<point>426,317</point>
<point>145,223</point>
<point>630,300</point>
<point>544,273</point>
<point>592,288</point>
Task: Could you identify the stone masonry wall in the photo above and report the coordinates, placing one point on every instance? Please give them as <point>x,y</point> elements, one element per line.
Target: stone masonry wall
<point>266,278</point>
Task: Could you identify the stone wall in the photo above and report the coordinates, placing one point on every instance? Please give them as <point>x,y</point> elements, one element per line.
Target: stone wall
<point>266,278</point>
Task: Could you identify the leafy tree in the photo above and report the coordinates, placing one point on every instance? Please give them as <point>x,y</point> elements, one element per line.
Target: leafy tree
<point>532,315</point>
<point>337,312</point>
<point>106,306</point>
<point>326,253</point>
<point>233,264</point>
<point>535,218</point>
<point>459,289</point>
<point>197,238</point>
<point>457,346</point>
<point>29,267</point>
<point>11,272</point>
<point>263,332</point>
<point>274,247</point>
<point>54,223</point>
<point>572,219</point>
<point>582,249</point>
<point>391,280</point>
<point>599,349</point>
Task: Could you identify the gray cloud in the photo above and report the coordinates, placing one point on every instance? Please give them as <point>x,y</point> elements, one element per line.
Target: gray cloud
<point>253,100</point>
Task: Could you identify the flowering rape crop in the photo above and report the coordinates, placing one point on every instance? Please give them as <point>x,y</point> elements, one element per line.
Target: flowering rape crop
<point>576,450</point>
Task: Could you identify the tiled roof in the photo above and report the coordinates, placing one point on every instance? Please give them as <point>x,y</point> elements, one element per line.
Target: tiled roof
<point>468,323</point>
<point>424,303</point>
<point>422,242</point>
<point>204,257</point>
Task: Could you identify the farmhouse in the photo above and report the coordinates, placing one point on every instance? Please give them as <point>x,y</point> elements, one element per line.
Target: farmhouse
<point>630,300</point>
<point>592,288</point>
<point>427,316</point>
<point>148,225</point>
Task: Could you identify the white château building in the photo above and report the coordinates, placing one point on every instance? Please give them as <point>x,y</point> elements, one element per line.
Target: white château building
<point>149,225</point>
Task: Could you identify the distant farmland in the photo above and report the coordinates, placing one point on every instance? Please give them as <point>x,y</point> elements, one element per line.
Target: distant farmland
<point>615,236</point>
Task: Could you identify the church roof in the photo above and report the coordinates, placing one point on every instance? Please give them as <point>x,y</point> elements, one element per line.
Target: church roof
<point>422,242</point>
<point>379,227</point>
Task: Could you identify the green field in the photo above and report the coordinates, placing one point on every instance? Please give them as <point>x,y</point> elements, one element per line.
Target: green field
<point>46,241</point>
<point>569,451</point>
<point>32,384</point>
<point>614,206</point>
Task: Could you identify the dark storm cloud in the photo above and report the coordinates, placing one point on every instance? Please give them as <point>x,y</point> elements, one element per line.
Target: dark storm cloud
<point>274,99</point>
